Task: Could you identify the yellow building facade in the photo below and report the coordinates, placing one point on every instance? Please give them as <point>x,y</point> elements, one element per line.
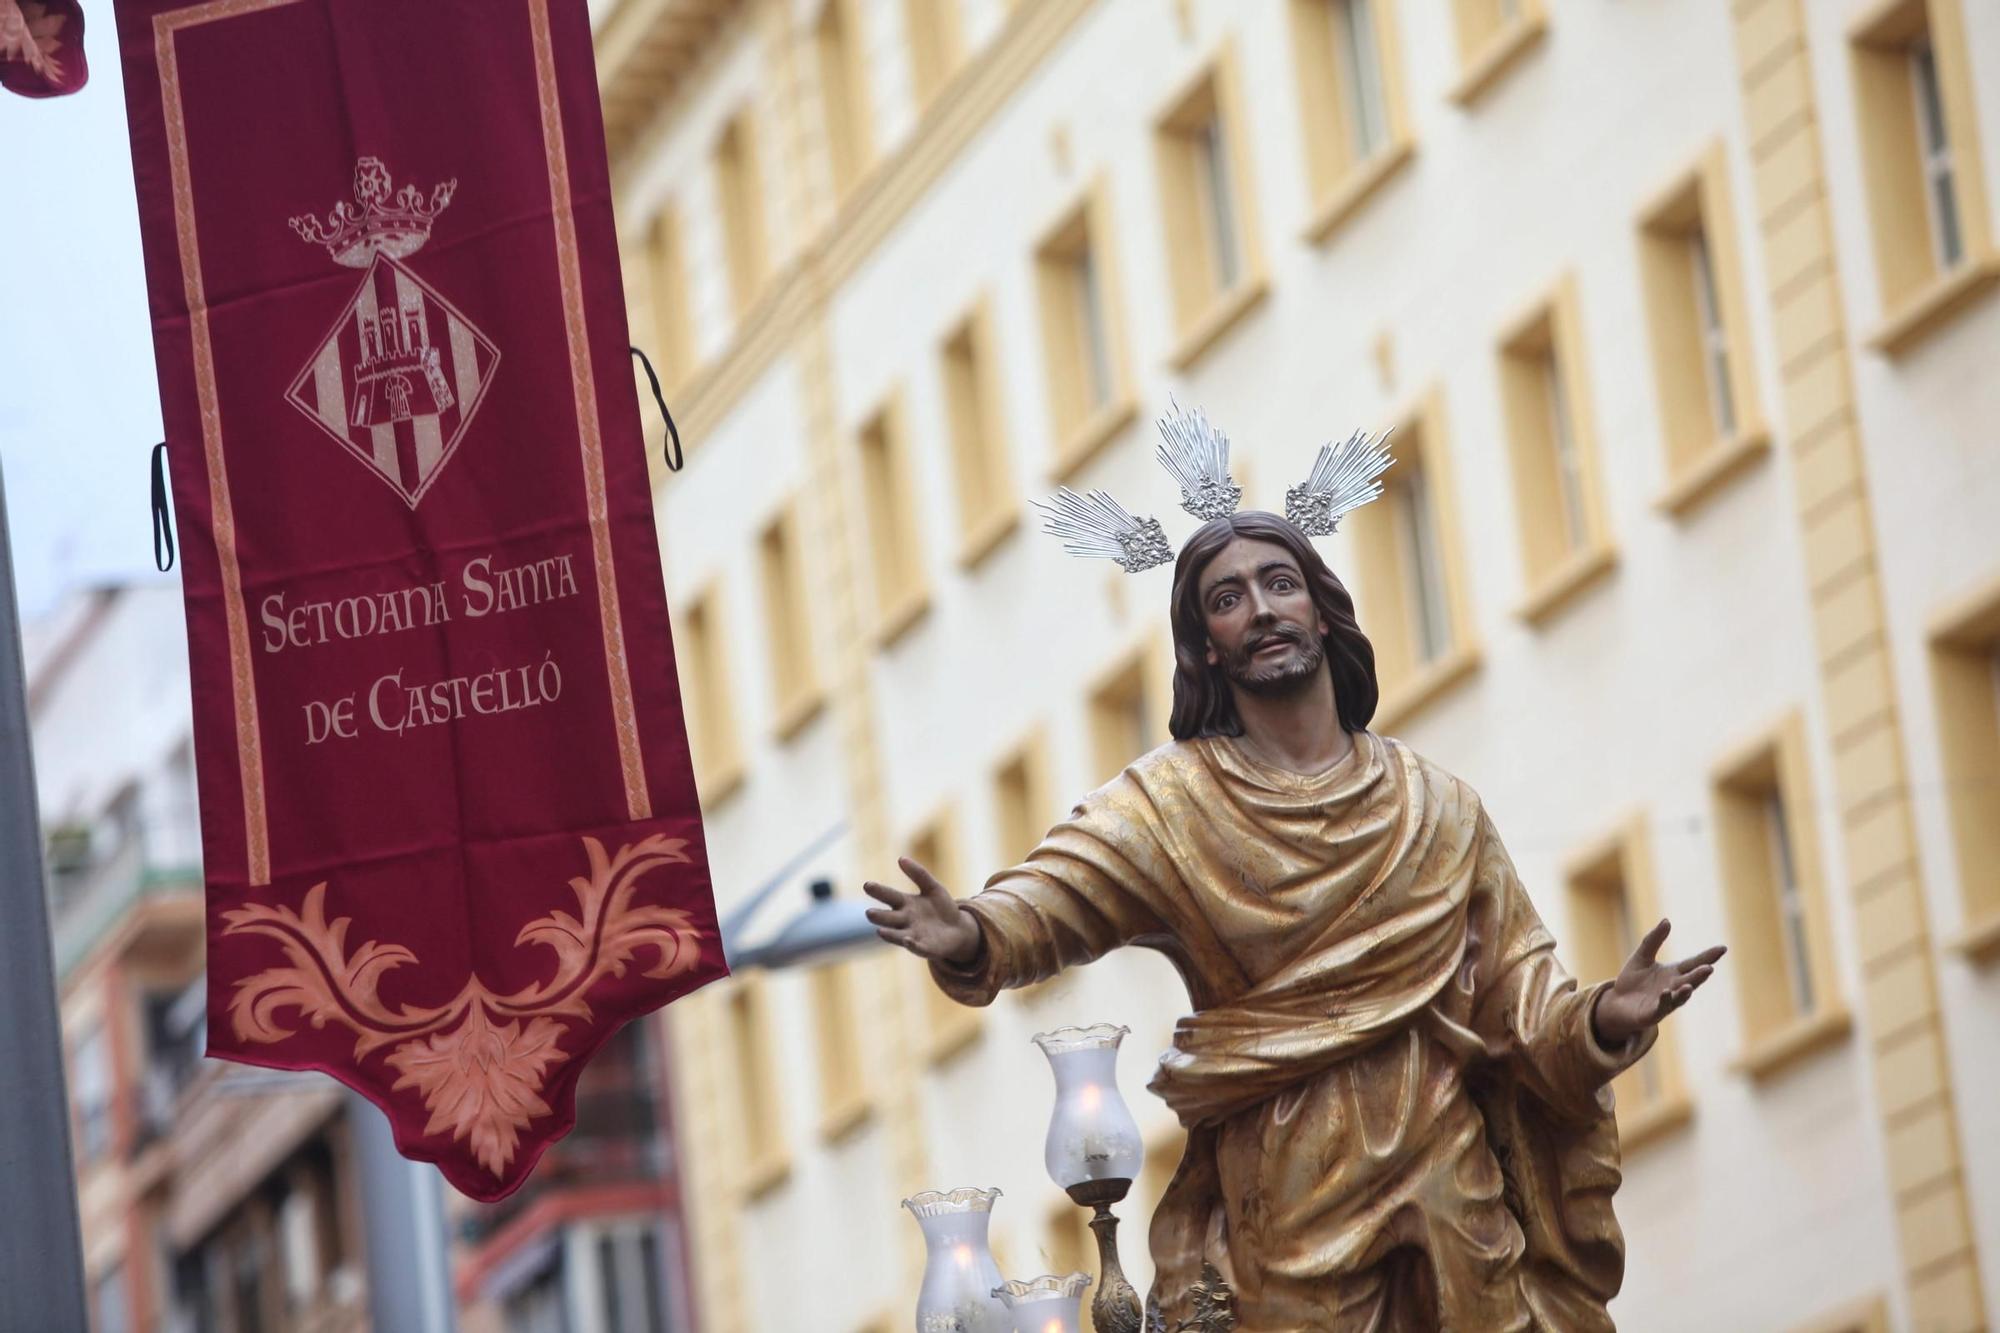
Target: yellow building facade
<point>1684,317</point>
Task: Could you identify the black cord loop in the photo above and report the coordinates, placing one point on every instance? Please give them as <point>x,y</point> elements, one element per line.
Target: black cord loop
<point>672,449</point>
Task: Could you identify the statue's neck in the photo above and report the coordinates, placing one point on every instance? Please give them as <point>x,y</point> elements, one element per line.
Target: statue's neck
<point>1300,732</point>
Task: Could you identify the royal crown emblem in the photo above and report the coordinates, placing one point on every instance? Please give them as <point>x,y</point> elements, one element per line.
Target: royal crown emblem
<point>397,379</point>
<point>376,222</point>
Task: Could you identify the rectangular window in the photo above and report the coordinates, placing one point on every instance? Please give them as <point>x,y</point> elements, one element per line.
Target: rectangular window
<point>1965,680</point>
<point>1022,800</point>
<point>795,686</point>
<point>936,44</point>
<point>1085,361</point>
<point>1552,449</point>
<point>1926,196</point>
<point>987,507</point>
<point>628,1270</point>
<point>1493,35</point>
<point>672,324</point>
<point>758,1111</point>
<point>949,1027</point>
<point>844,1102</point>
<point>1361,78</point>
<point>705,683</point>
<point>90,1090</point>
<point>843,85</point>
<point>1409,572</point>
<point>890,512</point>
<point>1128,715</point>
<point>1765,840</point>
<point>1205,190</point>
<point>740,189</point>
<point>1694,308</point>
<point>1612,903</point>
<point>1351,100</point>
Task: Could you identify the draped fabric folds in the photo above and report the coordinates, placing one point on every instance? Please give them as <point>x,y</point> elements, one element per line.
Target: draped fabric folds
<point>1397,1112</point>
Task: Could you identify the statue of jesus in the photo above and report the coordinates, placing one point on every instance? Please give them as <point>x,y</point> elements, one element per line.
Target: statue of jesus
<point>1395,1097</point>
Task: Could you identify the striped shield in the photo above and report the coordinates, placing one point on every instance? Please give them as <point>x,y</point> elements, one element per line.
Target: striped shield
<point>397,380</point>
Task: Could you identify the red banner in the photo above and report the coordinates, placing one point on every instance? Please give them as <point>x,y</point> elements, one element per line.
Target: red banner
<point>451,834</point>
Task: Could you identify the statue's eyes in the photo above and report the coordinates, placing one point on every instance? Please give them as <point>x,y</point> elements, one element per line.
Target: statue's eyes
<point>1283,583</point>
<point>1224,601</point>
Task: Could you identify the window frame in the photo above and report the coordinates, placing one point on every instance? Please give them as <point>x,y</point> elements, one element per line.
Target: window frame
<point>846,111</point>
<point>1622,862</point>
<point>1545,387</point>
<point>1073,249</point>
<point>1134,676</point>
<point>1206,114</point>
<point>1918,293</point>
<point>846,1098</point>
<point>737,161</point>
<point>1694,211</point>
<point>984,488</point>
<point>1775,1032</point>
<point>1339,179</point>
<point>934,31</point>
<point>797,696</point>
<point>667,293</point>
<point>766,1161</point>
<point>1486,57</point>
<point>893,543</point>
<point>716,745</point>
<point>1963,643</point>
<point>1382,584</point>
<point>950,1028</point>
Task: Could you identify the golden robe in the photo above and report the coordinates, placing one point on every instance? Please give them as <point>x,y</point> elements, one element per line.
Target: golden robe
<point>1397,1110</point>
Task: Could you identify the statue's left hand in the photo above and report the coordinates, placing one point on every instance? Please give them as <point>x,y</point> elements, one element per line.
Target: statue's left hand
<point>1647,990</point>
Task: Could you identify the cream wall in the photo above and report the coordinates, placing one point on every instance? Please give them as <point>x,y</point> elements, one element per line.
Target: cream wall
<point>1771,1206</point>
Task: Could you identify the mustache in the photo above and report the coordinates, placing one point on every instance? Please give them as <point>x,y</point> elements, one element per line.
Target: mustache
<point>1281,634</point>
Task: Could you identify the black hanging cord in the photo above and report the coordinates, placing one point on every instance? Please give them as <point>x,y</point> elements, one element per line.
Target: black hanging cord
<point>163,519</point>
<point>673,446</point>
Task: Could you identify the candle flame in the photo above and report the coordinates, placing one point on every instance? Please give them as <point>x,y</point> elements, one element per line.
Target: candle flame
<point>1053,1326</point>
<point>964,1256</point>
<point>1092,1097</point>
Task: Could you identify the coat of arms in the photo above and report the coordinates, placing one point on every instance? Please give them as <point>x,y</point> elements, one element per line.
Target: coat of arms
<point>398,378</point>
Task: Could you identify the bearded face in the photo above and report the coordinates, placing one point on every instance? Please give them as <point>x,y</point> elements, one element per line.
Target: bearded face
<point>1263,629</point>
<point>1275,662</point>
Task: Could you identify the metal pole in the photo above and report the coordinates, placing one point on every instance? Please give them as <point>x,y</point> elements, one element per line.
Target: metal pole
<point>41,1250</point>
<point>402,1220</point>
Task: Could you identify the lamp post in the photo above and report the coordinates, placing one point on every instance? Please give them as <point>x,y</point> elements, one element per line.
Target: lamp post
<point>41,1251</point>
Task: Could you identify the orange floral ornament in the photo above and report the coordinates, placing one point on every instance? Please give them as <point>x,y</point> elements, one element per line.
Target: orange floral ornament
<point>32,33</point>
<point>482,1061</point>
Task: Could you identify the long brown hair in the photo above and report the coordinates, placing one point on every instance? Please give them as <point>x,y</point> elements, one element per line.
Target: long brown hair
<point>1203,704</point>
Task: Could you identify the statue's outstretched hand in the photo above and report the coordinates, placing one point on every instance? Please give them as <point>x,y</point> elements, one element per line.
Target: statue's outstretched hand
<point>1647,990</point>
<point>929,923</point>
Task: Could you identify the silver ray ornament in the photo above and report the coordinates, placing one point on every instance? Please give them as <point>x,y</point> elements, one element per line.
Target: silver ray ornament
<point>1198,456</point>
<point>1095,525</point>
<point>1344,477</point>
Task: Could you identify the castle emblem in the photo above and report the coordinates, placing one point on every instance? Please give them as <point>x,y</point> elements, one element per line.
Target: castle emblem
<point>397,379</point>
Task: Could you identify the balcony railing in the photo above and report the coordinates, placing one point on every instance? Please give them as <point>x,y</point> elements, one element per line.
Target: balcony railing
<point>89,900</point>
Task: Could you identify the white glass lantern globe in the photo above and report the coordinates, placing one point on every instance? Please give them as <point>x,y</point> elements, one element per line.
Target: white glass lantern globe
<point>1047,1304</point>
<point>1092,1135</point>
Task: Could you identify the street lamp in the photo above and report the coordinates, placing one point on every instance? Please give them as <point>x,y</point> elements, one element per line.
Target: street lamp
<point>826,929</point>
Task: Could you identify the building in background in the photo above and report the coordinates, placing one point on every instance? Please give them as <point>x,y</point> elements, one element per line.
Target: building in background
<point>216,1198</point>
<point>1684,315</point>
<point>212,1197</point>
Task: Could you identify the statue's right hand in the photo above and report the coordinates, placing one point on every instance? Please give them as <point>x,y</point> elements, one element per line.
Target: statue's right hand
<point>929,923</point>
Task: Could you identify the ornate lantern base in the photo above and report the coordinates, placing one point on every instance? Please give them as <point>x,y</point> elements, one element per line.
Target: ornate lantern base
<point>1116,1308</point>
